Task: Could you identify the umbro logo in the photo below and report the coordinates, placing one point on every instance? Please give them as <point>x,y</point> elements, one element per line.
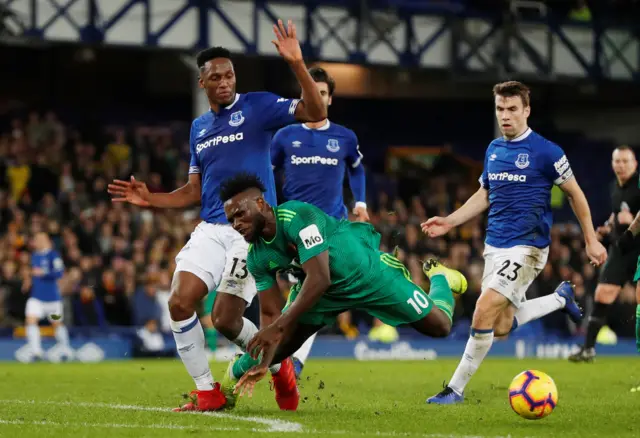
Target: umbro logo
<point>296,144</point>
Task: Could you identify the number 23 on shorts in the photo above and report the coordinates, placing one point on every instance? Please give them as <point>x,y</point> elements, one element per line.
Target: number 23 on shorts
<point>509,270</point>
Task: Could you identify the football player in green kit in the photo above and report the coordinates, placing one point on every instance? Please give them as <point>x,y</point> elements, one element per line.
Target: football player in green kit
<point>342,268</point>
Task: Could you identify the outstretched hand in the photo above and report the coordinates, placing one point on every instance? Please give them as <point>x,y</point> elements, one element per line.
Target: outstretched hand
<point>133,192</point>
<point>436,226</point>
<point>287,42</point>
<point>248,381</point>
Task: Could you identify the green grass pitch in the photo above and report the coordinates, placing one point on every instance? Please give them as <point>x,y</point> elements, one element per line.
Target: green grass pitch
<point>339,399</point>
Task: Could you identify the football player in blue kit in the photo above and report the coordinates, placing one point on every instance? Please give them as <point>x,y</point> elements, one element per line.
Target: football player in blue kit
<point>520,169</point>
<point>314,157</point>
<point>234,136</point>
<point>45,300</point>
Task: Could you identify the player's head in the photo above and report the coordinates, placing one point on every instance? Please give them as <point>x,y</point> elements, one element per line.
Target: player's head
<point>41,241</point>
<point>217,75</point>
<point>244,204</point>
<point>325,83</point>
<point>623,162</point>
<point>512,107</point>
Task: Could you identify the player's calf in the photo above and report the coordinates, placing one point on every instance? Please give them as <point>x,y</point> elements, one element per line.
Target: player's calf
<point>186,290</point>
<point>227,318</point>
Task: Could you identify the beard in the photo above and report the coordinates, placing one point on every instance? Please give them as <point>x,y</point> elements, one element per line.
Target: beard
<point>257,226</point>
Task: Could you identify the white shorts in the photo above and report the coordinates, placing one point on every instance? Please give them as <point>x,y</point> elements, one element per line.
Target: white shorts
<point>510,271</point>
<point>217,255</point>
<point>41,309</point>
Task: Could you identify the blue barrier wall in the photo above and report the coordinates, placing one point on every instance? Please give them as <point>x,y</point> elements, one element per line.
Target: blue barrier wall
<point>122,347</point>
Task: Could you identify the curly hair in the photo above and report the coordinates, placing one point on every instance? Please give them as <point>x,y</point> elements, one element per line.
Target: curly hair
<point>238,184</point>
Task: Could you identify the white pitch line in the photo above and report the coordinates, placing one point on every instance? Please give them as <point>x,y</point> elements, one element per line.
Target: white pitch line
<point>123,426</point>
<point>273,424</point>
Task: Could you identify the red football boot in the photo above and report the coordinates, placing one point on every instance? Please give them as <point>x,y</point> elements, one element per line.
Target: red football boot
<point>205,400</point>
<point>284,383</point>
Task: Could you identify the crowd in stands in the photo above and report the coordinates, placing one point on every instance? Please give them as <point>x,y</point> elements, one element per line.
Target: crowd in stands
<point>119,258</point>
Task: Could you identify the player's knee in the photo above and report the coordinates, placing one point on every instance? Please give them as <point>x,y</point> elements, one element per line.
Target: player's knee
<point>186,291</point>
<point>180,306</point>
<point>484,317</point>
<point>606,293</point>
<point>30,320</point>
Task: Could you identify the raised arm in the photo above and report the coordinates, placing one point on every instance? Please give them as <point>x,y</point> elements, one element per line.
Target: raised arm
<point>310,108</point>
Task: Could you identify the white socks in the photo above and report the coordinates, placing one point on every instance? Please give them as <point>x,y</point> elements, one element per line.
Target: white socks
<point>480,341</point>
<point>538,308</point>
<point>62,336</point>
<point>248,330</point>
<point>189,338</point>
<point>476,350</point>
<point>33,339</point>
<point>303,353</point>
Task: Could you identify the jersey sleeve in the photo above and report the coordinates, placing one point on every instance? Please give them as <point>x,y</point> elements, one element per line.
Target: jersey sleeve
<point>357,179</point>
<point>264,279</point>
<point>484,177</point>
<point>354,156</point>
<point>277,150</point>
<point>276,111</point>
<point>194,164</point>
<point>557,167</point>
<point>306,228</point>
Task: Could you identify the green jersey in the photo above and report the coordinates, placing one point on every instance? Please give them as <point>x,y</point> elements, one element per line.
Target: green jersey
<point>303,231</point>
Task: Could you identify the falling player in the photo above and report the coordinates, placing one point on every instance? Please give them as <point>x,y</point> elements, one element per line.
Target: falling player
<point>235,135</point>
<point>342,267</point>
<point>316,154</point>
<point>45,301</point>
<point>520,169</point>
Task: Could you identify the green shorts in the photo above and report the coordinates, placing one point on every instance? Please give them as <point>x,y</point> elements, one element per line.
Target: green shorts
<point>636,277</point>
<point>393,298</point>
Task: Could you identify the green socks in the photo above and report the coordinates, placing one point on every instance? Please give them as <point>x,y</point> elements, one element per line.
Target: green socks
<point>441,295</point>
<point>243,365</point>
<point>211,337</point>
<point>638,327</point>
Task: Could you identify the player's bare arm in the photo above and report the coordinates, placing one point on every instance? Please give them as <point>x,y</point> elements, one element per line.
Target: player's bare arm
<point>595,250</point>
<point>311,108</point>
<point>439,226</point>
<point>316,283</point>
<point>136,192</point>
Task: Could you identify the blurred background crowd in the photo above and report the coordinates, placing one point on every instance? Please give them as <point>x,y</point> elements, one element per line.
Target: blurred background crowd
<point>75,116</point>
<point>119,258</point>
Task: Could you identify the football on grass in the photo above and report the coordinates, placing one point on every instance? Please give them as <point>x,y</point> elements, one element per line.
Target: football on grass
<point>533,394</point>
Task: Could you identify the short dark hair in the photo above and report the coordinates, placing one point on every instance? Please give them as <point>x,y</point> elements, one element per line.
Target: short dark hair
<point>211,53</point>
<point>238,184</point>
<point>624,147</point>
<point>513,88</point>
<point>319,74</point>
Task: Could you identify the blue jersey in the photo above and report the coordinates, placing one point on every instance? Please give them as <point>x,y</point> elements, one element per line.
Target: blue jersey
<point>519,175</point>
<point>45,287</point>
<point>237,139</point>
<point>314,162</point>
